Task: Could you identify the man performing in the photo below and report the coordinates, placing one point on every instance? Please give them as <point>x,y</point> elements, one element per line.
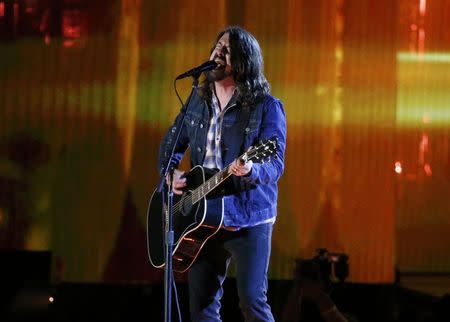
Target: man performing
<point>231,113</point>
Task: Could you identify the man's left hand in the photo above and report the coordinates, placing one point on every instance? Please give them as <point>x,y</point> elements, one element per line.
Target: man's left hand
<point>239,168</point>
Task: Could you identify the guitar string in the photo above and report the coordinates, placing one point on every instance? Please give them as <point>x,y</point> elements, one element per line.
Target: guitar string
<point>196,192</point>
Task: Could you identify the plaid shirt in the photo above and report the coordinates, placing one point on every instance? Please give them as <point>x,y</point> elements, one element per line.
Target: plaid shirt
<point>213,154</point>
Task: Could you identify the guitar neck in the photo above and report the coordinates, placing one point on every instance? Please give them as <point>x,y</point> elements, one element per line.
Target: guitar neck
<point>210,184</point>
<point>257,154</point>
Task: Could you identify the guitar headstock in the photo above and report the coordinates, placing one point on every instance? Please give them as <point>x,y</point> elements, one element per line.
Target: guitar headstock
<point>263,152</point>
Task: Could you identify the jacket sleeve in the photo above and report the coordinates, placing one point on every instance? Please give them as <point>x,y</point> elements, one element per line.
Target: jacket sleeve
<point>165,147</point>
<point>273,124</point>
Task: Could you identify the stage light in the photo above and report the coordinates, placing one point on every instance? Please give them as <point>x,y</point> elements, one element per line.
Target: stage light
<point>398,167</point>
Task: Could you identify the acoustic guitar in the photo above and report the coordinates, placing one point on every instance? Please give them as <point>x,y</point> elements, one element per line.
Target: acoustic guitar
<point>197,214</point>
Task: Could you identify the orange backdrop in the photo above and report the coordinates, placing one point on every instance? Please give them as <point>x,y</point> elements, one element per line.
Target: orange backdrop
<point>86,93</point>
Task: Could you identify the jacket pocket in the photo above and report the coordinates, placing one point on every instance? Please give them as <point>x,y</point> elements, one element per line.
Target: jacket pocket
<point>191,124</point>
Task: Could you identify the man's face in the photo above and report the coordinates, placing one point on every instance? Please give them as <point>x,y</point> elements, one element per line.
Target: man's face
<point>221,54</point>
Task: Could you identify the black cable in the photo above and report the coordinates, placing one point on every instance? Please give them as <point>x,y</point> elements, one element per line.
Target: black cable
<point>176,91</point>
<point>180,319</point>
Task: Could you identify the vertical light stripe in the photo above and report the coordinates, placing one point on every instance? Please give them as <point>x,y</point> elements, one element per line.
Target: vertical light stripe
<point>127,75</point>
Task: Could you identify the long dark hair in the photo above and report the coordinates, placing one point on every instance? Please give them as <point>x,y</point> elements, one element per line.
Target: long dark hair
<point>247,65</point>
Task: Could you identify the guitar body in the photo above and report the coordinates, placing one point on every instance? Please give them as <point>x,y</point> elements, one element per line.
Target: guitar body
<point>194,222</point>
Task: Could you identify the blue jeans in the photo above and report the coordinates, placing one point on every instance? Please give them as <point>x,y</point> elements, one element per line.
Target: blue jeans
<point>250,249</point>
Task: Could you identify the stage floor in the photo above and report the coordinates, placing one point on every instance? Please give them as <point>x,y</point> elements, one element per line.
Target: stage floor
<point>145,302</point>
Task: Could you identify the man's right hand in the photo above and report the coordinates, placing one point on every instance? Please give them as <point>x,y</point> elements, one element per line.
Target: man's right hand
<point>179,182</point>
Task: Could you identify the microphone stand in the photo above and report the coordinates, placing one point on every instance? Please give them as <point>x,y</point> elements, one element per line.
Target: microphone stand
<point>167,170</point>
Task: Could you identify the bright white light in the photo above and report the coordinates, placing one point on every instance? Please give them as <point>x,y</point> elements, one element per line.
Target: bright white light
<point>398,167</point>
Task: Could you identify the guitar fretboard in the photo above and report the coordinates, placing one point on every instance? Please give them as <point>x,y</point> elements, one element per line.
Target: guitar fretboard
<point>209,185</point>
<point>256,154</point>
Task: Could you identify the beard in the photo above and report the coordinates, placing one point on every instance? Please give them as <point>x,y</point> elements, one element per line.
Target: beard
<point>218,74</point>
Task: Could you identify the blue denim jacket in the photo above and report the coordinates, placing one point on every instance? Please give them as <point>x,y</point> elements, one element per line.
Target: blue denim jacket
<point>255,196</point>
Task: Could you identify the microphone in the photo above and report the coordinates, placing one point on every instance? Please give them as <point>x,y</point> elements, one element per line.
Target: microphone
<point>195,72</point>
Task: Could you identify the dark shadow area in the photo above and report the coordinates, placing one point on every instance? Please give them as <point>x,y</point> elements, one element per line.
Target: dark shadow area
<point>24,284</point>
<point>25,153</point>
<point>130,248</point>
<point>27,294</point>
<point>75,302</point>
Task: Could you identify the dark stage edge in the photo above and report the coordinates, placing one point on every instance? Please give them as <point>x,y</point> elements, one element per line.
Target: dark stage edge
<point>144,302</point>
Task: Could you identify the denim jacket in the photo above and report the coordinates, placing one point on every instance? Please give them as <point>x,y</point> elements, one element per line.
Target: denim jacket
<point>254,197</point>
